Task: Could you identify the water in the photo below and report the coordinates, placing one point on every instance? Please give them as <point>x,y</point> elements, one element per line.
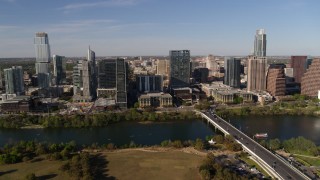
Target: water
<point>282,127</point>
<point>119,133</point>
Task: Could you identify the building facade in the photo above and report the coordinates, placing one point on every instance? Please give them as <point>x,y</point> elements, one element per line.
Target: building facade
<point>310,82</point>
<point>260,43</point>
<point>179,68</point>
<point>14,83</point>
<point>232,67</point>
<point>276,81</point>
<point>149,83</point>
<point>155,100</point>
<point>299,65</point>
<point>77,78</point>
<point>256,73</point>
<point>59,69</point>
<point>42,49</point>
<point>112,76</point>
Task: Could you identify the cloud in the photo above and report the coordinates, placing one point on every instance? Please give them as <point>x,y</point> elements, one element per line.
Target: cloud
<point>78,25</point>
<point>106,3</point>
<point>7,27</point>
<point>9,1</point>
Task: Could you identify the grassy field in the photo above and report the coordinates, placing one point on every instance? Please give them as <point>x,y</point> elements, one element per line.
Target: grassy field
<point>44,169</point>
<point>135,164</point>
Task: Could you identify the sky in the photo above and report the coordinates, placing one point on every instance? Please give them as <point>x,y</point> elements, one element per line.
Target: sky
<point>153,27</point>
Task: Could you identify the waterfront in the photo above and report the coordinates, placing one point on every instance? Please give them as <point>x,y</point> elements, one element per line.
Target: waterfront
<point>118,133</point>
<point>282,127</point>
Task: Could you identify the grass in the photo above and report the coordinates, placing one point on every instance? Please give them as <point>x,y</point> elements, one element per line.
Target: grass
<point>44,169</point>
<point>309,161</point>
<point>251,163</point>
<point>136,164</point>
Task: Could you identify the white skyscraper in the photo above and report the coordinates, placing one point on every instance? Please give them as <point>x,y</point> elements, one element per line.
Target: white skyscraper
<point>260,43</point>
<point>42,49</point>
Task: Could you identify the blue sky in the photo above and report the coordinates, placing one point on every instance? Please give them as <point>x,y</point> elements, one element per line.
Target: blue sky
<point>153,27</point>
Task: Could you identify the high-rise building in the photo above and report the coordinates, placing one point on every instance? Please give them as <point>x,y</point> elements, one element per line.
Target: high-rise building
<point>299,64</point>
<point>149,83</point>
<point>59,69</point>
<point>232,67</point>
<point>276,80</point>
<point>256,73</point>
<point>77,78</point>
<point>42,50</point>
<point>200,75</point>
<point>112,79</point>
<point>310,82</point>
<point>179,68</point>
<point>14,80</point>
<point>1,85</point>
<point>89,78</point>
<point>162,67</point>
<point>260,43</point>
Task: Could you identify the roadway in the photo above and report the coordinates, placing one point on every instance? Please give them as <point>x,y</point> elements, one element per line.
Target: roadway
<point>282,168</point>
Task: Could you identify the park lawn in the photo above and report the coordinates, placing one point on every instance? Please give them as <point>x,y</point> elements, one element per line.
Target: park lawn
<point>136,164</point>
<point>309,161</point>
<point>44,169</point>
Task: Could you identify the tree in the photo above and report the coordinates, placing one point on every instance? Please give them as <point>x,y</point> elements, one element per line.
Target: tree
<point>31,176</point>
<point>199,145</point>
<point>274,144</point>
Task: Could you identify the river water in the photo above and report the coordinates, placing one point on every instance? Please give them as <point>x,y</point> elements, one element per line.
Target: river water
<point>282,127</point>
<point>119,133</point>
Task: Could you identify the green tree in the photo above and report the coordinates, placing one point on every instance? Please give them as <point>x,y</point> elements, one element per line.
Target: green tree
<point>274,144</point>
<point>31,176</point>
<point>199,145</point>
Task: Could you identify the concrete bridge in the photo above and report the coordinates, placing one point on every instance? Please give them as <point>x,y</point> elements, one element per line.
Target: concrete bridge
<point>276,167</point>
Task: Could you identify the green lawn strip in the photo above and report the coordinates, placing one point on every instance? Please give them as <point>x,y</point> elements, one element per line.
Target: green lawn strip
<point>251,163</point>
<point>308,161</point>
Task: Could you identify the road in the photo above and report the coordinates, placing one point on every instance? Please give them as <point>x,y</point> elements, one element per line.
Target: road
<point>282,168</point>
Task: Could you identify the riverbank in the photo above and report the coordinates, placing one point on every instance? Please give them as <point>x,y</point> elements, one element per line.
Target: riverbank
<point>91,120</point>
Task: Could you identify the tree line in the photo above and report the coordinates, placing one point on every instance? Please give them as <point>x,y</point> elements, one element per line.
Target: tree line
<point>299,145</point>
<point>91,120</point>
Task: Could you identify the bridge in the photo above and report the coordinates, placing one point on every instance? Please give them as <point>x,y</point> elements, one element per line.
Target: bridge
<point>276,167</point>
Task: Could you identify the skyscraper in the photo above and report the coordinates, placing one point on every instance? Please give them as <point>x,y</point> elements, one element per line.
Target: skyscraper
<point>42,50</point>
<point>276,80</point>
<point>14,80</point>
<point>299,64</point>
<point>112,79</point>
<point>260,43</point>
<point>232,69</point>
<point>89,78</point>
<point>256,73</point>
<point>310,82</point>
<point>59,69</point>
<point>179,68</point>
<point>77,78</point>
<point>149,83</point>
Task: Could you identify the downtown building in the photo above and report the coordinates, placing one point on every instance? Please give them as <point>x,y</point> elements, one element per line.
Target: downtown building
<point>149,83</point>
<point>14,83</point>
<point>179,69</point>
<point>299,64</point>
<point>59,69</point>
<point>257,64</point>
<point>232,68</point>
<point>260,43</point>
<point>112,80</point>
<point>89,78</point>
<point>256,73</point>
<point>276,80</point>
<point>310,82</point>
<point>42,50</point>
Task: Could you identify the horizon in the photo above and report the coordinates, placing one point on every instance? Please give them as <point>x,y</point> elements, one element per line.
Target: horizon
<point>149,27</point>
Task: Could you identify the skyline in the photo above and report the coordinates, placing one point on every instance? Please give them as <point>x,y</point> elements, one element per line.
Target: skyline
<point>153,27</point>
